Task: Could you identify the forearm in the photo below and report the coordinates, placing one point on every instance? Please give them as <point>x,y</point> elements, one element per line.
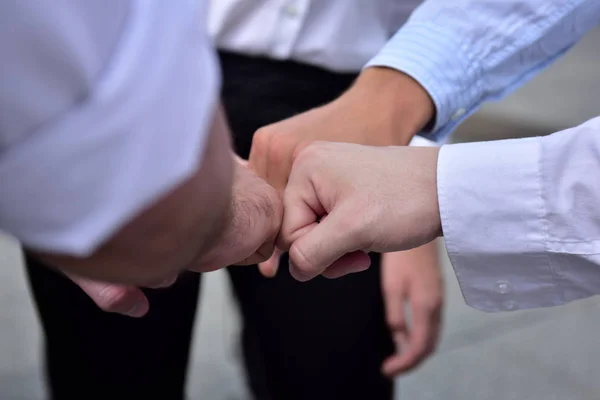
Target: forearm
<point>466,52</point>
<point>426,254</point>
<point>101,161</point>
<point>169,235</point>
<point>400,106</point>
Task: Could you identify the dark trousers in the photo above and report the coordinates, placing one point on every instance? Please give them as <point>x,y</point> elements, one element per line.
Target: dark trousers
<point>324,339</point>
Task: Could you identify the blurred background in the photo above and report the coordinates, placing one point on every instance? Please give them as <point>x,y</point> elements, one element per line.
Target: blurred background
<point>550,354</point>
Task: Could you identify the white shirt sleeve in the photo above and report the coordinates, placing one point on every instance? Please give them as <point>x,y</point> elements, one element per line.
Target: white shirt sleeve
<point>104,107</point>
<point>521,218</point>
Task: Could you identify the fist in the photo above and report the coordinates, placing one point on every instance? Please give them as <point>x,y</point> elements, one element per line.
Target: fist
<point>343,199</point>
<point>252,226</point>
<point>384,107</point>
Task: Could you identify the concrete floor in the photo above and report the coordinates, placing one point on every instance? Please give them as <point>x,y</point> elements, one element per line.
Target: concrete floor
<point>549,354</point>
<point>546,354</point>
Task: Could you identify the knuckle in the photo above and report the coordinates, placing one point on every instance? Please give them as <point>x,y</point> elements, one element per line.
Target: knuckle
<point>395,322</point>
<point>394,290</point>
<point>428,303</point>
<point>278,148</point>
<point>261,138</point>
<point>269,142</point>
<point>310,152</point>
<point>310,157</point>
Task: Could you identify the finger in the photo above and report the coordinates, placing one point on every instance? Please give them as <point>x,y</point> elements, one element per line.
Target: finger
<point>301,211</point>
<point>395,294</point>
<point>165,283</point>
<point>357,261</point>
<point>269,268</point>
<point>389,366</point>
<point>314,246</point>
<point>264,253</point>
<point>321,244</point>
<point>120,299</point>
<point>418,345</point>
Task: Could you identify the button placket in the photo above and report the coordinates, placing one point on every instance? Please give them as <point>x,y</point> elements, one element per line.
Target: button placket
<point>289,25</point>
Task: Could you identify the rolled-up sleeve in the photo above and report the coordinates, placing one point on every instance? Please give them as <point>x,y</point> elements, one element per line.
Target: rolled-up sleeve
<point>104,107</point>
<point>521,218</point>
<point>464,52</point>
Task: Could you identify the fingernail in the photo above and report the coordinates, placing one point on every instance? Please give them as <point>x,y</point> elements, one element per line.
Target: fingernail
<point>168,282</point>
<point>135,311</point>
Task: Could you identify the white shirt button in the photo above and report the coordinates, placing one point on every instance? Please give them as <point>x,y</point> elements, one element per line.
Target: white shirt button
<point>458,113</point>
<point>291,11</point>
<point>509,305</point>
<point>503,287</point>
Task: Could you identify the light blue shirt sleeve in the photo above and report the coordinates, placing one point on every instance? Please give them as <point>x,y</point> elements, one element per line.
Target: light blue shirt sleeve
<point>465,52</point>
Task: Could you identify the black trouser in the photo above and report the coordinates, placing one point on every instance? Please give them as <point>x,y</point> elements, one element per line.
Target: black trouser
<point>324,339</point>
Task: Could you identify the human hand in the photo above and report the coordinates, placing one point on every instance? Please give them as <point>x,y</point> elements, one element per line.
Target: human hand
<point>267,268</point>
<point>168,235</point>
<point>412,279</point>
<point>344,199</point>
<point>121,299</point>
<point>384,107</point>
<point>252,228</point>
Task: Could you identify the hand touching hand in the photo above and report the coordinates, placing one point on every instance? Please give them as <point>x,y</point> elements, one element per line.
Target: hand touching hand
<point>250,233</point>
<point>384,107</point>
<point>373,198</point>
<point>412,280</point>
<point>267,268</point>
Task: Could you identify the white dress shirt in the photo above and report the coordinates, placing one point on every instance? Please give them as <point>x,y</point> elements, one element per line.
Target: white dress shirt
<point>104,107</point>
<point>463,52</point>
<point>521,218</point>
<point>339,35</point>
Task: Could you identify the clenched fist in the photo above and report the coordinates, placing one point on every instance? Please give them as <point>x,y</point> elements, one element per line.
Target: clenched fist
<point>384,107</point>
<point>252,226</point>
<point>344,199</point>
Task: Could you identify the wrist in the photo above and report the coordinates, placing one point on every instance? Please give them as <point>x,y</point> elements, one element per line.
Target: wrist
<point>397,101</point>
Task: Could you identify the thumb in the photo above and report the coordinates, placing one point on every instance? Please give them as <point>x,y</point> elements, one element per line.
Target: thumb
<point>322,244</point>
<point>269,268</point>
<point>109,297</point>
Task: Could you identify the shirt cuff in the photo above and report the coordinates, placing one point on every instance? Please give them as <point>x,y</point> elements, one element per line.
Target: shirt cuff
<point>442,66</point>
<point>494,224</point>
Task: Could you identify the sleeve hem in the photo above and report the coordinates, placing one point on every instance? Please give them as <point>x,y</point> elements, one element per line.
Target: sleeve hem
<point>493,215</point>
<point>442,66</point>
